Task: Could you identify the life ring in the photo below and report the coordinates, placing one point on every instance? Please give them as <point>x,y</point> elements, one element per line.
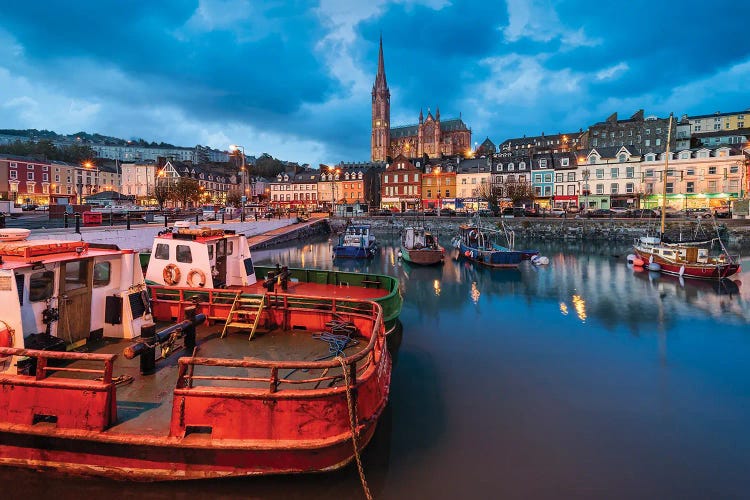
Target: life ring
<point>171,274</point>
<point>192,274</point>
<point>6,338</point>
<point>472,234</point>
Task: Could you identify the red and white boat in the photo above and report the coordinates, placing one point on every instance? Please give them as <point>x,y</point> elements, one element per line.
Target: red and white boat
<point>126,408</point>
<point>682,259</point>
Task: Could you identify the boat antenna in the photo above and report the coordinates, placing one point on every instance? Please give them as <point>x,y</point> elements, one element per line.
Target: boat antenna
<point>664,180</point>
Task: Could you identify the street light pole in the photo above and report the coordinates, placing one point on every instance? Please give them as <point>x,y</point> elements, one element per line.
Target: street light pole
<point>243,173</point>
<point>439,206</point>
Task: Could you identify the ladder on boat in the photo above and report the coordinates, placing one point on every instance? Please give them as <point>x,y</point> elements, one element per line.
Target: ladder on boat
<point>245,313</point>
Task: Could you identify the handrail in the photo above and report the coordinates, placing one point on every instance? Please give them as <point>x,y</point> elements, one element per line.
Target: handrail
<point>354,307</point>
<point>43,356</point>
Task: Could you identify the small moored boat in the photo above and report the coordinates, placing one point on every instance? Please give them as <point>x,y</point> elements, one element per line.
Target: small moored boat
<point>14,234</point>
<point>420,246</point>
<point>357,242</point>
<point>475,243</point>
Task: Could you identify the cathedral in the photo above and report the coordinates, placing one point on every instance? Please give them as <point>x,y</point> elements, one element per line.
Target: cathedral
<point>430,136</point>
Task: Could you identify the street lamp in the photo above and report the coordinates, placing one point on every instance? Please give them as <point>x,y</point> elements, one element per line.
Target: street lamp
<point>334,173</point>
<point>243,173</point>
<point>436,170</point>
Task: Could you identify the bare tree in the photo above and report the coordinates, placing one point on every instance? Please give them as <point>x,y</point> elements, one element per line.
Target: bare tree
<point>519,192</point>
<point>491,193</point>
<point>186,190</point>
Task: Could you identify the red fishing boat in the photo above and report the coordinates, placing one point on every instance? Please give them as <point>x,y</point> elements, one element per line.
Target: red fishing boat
<point>266,384</point>
<point>685,259</point>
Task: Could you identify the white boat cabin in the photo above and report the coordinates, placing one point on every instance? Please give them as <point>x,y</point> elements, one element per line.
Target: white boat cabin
<point>416,238</point>
<point>357,235</point>
<point>200,257</point>
<point>66,292</point>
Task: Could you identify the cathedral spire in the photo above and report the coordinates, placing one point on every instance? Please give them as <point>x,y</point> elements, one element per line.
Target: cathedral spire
<point>380,78</point>
<point>421,116</point>
<point>437,113</point>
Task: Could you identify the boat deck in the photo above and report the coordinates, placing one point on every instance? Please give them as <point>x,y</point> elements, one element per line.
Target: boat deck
<point>144,402</point>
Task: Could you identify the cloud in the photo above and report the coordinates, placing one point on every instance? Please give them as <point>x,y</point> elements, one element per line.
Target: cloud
<point>538,21</point>
<point>612,71</point>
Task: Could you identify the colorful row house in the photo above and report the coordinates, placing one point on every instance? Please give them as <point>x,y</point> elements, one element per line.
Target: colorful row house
<point>401,185</point>
<point>295,191</point>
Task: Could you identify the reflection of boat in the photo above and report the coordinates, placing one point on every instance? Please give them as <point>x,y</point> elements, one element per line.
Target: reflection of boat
<point>214,258</point>
<point>723,286</point>
<point>357,242</point>
<point>475,243</point>
<point>420,246</point>
<point>683,259</point>
<point>281,403</point>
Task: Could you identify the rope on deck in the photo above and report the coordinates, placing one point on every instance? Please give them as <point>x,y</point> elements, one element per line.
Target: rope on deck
<point>353,425</point>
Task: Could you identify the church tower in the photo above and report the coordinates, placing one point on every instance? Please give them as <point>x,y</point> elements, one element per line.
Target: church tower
<point>381,113</point>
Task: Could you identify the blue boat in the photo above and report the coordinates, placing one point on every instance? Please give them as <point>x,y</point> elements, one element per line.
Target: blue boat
<point>355,243</point>
<point>475,244</point>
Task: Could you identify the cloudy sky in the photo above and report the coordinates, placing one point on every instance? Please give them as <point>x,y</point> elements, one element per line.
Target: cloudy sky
<point>293,78</point>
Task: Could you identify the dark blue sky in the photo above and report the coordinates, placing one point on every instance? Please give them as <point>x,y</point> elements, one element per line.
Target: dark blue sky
<point>293,78</point>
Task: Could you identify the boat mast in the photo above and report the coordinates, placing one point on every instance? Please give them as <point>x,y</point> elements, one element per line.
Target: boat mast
<point>664,180</point>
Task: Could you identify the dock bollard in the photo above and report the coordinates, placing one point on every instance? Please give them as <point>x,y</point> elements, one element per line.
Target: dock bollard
<point>2,221</point>
<point>148,356</point>
<point>78,222</point>
<point>222,217</point>
<point>165,219</point>
<point>196,220</point>
<point>127,221</point>
<point>189,331</point>
<point>65,220</point>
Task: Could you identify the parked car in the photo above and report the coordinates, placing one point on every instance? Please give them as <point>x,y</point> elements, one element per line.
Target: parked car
<point>670,212</point>
<point>642,213</point>
<point>619,211</point>
<point>447,211</point>
<point>42,208</point>
<point>487,213</point>
<point>693,213</point>
<point>600,213</point>
<point>28,207</point>
<point>723,212</point>
<point>383,212</point>
<point>430,212</point>
<point>556,212</point>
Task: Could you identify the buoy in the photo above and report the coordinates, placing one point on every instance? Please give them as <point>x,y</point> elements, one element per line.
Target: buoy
<point>631,258</point>
<point>6,337</point>
<point>399,254</point>
<point>682,270</point>
<point>638,262</point>
<point>539,260</point>
<point>467,253</point>
<point>654,266</point>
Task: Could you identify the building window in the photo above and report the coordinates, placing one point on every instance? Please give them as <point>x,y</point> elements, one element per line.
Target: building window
<point>30,176</point>
<point>564,162</point>
<point>629,187</point>
<point>547,177</point>
<point>522,165</point>
<point>658,142</point>
<point>600,173</point>
<point>571,177</point>
<point>558,177</point>
<point>647,142</point>
<point>600,189</point>
<point>711,186</point>
<point>571,190</point>
<point>734,169</point>
<point>622,158</point>
<point>14,174</point>
<point>711,170</point>
<point>690,187</point>
<point>510,166</point>
<point>630,172</point>
<point>615,172</point>
<point>613,188</point>
<point>543,163</point>
<point>650,172</point>
<point>670,187</point>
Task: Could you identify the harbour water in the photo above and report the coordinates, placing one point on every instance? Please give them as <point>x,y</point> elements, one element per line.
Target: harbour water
<point>581,379</point>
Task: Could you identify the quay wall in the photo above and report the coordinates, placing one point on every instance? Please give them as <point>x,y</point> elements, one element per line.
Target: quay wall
<point>141,237</point>
<point>733,232</point>
<point>320,226</point>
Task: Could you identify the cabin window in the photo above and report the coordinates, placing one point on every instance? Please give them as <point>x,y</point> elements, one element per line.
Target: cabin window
<point>162,251</point>
<point>230,247</point>
<point>76,275</point>
<point>41,286</point>
<point>210,252</point>
<point>184,254</point>
<point>102,273</point>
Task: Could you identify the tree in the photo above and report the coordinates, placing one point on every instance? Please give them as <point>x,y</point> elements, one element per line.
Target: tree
<point>186,190</point>
<point>162,192</point>
<point>234,199</point>
<point>519,192</point>
<point>490,193</point>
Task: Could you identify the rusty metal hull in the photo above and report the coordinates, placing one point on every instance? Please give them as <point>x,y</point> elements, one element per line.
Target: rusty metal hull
<point>135,458</point>
<point>267,406</point>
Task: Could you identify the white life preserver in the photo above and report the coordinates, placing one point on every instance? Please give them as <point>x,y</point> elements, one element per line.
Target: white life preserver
<point>192,274</point>
<point>171,274</point>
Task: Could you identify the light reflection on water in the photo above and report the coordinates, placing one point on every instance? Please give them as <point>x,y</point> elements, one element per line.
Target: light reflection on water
<point>580,379</point>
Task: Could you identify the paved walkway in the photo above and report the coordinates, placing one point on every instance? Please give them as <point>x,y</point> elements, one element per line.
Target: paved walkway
<point>266,237</point>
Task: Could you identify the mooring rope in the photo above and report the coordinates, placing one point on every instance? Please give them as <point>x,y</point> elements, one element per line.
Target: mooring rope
<point>353,425</point>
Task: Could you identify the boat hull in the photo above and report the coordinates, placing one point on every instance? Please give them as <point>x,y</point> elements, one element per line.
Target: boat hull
<point>697,271</point>
<point>352,252</point>
<point>491,258</point>
<point>424,256</point>
<point>136,458</point>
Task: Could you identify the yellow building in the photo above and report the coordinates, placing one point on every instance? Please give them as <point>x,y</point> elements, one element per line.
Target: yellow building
<point>438,187</point>
<point>719,121</point>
